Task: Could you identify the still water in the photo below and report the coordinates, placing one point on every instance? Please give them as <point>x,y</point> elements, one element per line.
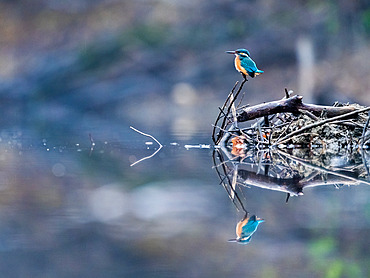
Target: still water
<point>74,207</point>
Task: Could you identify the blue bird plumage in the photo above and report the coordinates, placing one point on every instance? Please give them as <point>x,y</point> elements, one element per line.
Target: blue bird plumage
<point>244,63</point>
<point>246,228</point>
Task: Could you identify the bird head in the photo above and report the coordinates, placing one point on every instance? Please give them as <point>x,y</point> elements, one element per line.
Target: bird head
<point>240,52</point>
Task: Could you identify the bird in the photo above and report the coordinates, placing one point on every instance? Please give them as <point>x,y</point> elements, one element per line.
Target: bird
<point>246,228</point>
<point>244,63</point>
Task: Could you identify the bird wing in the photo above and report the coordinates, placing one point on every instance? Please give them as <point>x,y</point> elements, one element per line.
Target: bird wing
<point>250,67</point>
<point>249,228</point>
<point>248,64</point>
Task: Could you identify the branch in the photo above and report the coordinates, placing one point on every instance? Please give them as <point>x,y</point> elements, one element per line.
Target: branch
<point>220,115</point>
<point>321,123</point>
<point>231,98</point>
<point>148,135</point>
<point>294,105</point>
<point>322,169</point>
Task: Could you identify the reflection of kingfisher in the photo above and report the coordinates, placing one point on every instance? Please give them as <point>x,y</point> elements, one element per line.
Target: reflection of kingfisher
<point>244,63</point>
<point>246,228</point>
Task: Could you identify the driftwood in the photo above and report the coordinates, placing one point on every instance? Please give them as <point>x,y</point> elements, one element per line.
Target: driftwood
<point>293,105</point>
<point>290,121</point>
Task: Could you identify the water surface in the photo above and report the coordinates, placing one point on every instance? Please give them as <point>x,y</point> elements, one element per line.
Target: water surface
<point>78,209</point>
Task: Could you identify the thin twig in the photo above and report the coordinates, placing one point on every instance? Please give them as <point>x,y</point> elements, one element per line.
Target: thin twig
<point>219,115</point>
<point>92,144</point>
<point>365,128</point>
<point>321,123</point>
<point>222,113</point>
<point>241,100</point>
<point>232,99</point>
<point>150,136</point>
<point>226,177</point>
<point>322,169</point>
<point>285,130</point>
<point>302,134</point>
<point>287,95</point>
<point>233,111</point>
<point>309,114</point>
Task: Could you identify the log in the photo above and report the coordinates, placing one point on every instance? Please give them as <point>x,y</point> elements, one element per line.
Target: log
<point>293,105</point>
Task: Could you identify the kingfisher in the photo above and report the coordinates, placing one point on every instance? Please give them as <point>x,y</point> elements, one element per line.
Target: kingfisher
<point>246,228</point>
<point>244,63</point>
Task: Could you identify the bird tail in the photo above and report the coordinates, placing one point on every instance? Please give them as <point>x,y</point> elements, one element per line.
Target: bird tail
<point>258,72</point>
<point>255,218</point>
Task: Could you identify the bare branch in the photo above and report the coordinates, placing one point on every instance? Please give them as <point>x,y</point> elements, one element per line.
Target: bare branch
<point>150,136</point>
<point>347,115</point>
<point>293,105</point>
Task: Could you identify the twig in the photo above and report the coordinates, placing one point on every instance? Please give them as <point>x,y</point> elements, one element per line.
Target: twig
<point>309,114</point>
<point>233,195</point>
<point>233,111</point>
<point>150,136</point>
<point>287,95</point>
<point>285,130</point>
<point>365,128</point>
<point>222,113</point>
<point>322,169</point>
<point>260,132</point>
<point>219,115</point>
<point>347,123</point>
<point>321,123</point>
<point>240,101</point>
<point>224,130</point>
<point>365,162</point>
<point>92,144</point>
<point>302,134</point>
<point>232,99</point>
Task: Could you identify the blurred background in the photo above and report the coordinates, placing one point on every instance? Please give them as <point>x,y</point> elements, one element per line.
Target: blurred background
<point>74,75</point>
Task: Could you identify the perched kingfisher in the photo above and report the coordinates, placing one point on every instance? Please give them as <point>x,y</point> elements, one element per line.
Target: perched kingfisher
<point>246,228</point>
<point>244,63</point>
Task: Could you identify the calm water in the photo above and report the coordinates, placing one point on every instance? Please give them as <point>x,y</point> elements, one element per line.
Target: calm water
<point>73,207</point>
<point>74,75</point>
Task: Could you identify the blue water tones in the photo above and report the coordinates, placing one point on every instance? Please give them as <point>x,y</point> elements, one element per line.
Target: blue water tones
<point>78,208</point>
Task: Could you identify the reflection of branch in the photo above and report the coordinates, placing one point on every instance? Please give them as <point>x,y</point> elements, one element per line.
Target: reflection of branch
<point>92,144</point>
<point>225,180</point>
<point>148,135</point>
<point>292,183</point>
<point>322,169</point>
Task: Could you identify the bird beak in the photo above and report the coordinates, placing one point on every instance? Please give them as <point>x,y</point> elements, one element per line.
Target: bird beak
<point>230,52</point>
<point>232,240</point>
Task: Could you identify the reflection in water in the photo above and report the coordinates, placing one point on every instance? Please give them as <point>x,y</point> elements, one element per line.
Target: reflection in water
<point>68,212</point>
<point>290,173</point>
<point>150,136</point>
<point>246,228</point>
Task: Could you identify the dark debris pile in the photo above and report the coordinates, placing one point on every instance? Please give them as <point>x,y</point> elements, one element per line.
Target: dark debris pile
<point>290,123</point>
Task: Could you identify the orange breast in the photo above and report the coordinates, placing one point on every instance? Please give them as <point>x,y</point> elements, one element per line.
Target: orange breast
<point>238,66</point>
<point>239,226</point>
